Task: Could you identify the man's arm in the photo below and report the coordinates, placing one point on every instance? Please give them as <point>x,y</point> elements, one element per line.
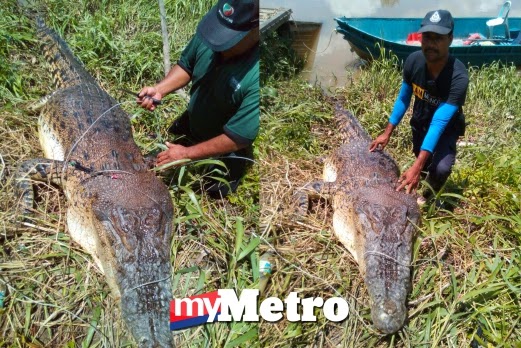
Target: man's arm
<point>442,116</point>
<point>439,122</point>
<point>402,104</point>
<point>399,109</point>
<point>176,78</point>
<point>219,145</point>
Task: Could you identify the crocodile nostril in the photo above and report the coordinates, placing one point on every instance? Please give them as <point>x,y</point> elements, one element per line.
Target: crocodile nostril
<point>390,307</point>
<point>144,342</point>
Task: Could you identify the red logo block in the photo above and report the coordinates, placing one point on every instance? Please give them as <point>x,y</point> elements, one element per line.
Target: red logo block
<point>194,310</point>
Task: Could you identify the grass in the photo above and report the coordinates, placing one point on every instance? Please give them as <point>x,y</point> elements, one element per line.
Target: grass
<point>56,297</point>
<point>466,277</point>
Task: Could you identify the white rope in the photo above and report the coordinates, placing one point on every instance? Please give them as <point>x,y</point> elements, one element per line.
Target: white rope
<point>152,282</point>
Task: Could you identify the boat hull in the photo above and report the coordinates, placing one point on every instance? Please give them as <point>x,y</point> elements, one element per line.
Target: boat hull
<point>372,37</point>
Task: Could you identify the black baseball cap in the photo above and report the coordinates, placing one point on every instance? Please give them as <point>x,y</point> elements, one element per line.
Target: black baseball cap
<point>228,22</point>
<point>439,21</point>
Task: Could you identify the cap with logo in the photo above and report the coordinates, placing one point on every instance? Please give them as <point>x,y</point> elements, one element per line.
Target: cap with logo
<point>228,22</point>
<point>439,21</point>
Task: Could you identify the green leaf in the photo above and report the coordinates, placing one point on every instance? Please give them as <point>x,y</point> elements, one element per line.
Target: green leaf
<point>249,248</point>
<point>170,165</point>
<point>250,335</point>
<point>474,293</point>
<point>209,162</point>
<point>92,327</point>
<point>239,235</point>
<point>193,198</point>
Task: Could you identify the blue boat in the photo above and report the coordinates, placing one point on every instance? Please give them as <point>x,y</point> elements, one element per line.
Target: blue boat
<point>368,35</point>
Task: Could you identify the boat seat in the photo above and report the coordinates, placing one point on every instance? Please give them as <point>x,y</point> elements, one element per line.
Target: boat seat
<point>501,20</point>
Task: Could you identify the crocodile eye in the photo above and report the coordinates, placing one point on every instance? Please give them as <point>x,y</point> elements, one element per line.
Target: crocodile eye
<point>152,219</point>
<point>128,220</point>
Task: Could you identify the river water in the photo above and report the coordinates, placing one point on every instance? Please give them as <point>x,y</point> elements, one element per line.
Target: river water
<point>333,55</point>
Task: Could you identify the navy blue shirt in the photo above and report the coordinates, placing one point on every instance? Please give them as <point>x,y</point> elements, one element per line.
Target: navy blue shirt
<point>449,87</point>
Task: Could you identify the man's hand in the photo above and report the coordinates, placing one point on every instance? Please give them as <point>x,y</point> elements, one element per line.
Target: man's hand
<point>175,79</point>
<point>410,178</point>
<point>175,152</point>
<point>220,145</point>
<point>382,140</point>
<point>145,97</point>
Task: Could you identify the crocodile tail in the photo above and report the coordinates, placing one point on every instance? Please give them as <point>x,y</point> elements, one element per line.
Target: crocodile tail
<point>349,127</point>
<point>66,69</point>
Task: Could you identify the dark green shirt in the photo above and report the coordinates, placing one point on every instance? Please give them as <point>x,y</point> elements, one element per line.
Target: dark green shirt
<point>224,94</point>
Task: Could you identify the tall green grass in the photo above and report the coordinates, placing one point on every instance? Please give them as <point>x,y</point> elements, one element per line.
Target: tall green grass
<point>13,34</point>
<point>466,276</point>
<point>56,297</point>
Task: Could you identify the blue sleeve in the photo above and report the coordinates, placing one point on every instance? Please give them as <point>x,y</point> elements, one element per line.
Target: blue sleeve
<point>401,104</point>
<point>439,121</point>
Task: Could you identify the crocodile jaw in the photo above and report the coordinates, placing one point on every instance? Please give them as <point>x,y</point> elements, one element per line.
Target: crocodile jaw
<point>145,306</point>
<point>137,263</point>
<point>131,234</point>
<point>377,229</point>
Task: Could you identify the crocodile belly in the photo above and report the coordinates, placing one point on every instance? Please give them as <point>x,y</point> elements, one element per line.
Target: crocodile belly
<point>52,148</point>
<point>346,229</point>
<point>83,232</point>
<point>330,172</point>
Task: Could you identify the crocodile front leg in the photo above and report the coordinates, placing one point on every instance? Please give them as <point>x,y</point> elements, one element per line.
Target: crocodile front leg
<point>38,169</point>
<point>313,190</point>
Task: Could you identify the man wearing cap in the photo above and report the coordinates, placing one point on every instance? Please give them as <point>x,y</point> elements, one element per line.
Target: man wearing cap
<point>222,118</point>
<point>439,83</point>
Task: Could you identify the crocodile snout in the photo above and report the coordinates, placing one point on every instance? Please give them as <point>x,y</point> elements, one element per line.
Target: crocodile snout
<point>389,317</point>
<point>146,312</point>
<point>147,342</point>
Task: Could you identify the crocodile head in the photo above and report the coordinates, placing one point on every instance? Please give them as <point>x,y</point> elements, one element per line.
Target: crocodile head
<point>388,220</point>
<point>378,225</point>
<point>133,220</point>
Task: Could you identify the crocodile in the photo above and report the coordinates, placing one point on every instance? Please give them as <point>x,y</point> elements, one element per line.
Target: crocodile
<point>374,222</point>
<point>117,210</point>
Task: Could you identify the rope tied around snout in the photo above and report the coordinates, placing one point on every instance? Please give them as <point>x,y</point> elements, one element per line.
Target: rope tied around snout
<point>149,283</point>
<point>374,252</point>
